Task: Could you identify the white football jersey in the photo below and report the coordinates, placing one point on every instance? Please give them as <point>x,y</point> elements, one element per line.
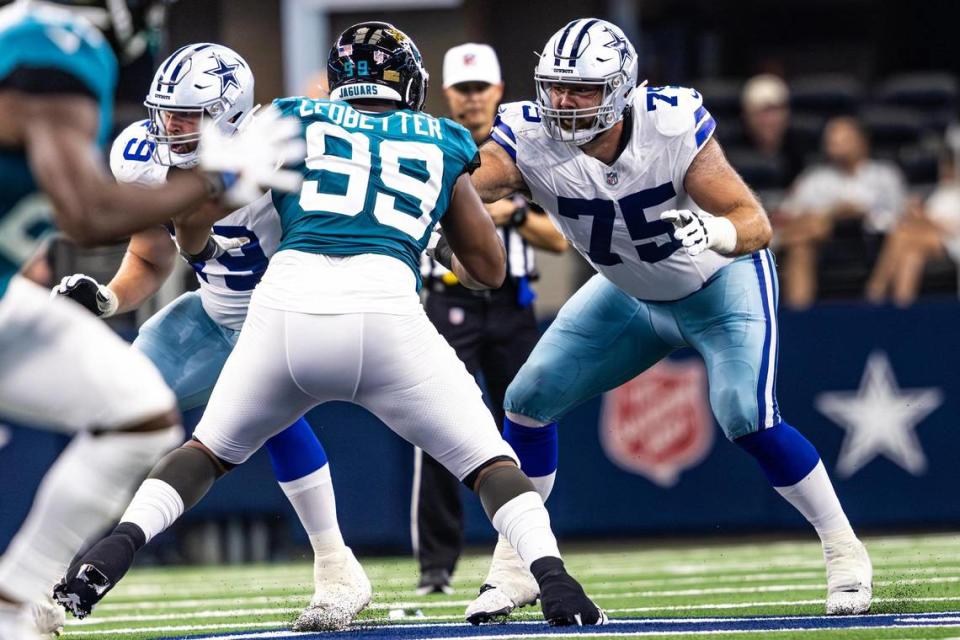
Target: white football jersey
<point>227,282</point>
<point>611,213</point>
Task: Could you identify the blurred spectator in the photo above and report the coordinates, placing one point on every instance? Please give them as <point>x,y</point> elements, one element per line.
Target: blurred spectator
<point>928,231</point>
<point>766,118</point>
<point>849,189</point>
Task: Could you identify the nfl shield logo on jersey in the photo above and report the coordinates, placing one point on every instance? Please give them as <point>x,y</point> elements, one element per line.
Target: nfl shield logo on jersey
<point>612,178</point>
<point>659,423</point>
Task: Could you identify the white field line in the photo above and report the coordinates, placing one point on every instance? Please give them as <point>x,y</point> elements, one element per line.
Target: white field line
<point>673,581</point>
<point>306,578</point>
<point>228,584</point>
<point>158,617</point>
<point>586,562</point>
<point>210,588</point>
<point>464,582</point>
<point>879,546</point>
<point>532,612</point>
<point>433,604</point>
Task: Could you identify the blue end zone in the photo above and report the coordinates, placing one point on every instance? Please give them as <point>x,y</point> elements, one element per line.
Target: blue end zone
<point>619,626</point>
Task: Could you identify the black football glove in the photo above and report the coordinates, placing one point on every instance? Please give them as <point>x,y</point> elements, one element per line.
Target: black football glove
<point>100,300</point>
<point>441,252</point>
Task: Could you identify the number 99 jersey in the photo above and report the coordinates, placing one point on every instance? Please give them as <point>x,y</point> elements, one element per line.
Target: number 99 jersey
<point>374,183</point>
<point>611,213</point>
<point>227,282</point>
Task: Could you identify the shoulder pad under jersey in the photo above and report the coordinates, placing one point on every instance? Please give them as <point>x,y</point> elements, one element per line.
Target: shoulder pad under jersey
<point>132,159</point>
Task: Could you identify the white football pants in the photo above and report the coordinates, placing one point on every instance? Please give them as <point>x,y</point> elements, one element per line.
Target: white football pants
<point>396,366</point>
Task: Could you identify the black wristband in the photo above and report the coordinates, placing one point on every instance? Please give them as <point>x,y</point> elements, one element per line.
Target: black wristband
<point>209,251</point>
<point>519,216</point>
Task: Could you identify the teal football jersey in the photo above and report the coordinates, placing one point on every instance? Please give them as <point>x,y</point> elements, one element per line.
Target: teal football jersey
<point>373,182</point>
<point>39,39</point>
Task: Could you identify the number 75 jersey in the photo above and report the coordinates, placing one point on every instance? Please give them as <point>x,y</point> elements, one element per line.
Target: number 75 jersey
<point>374,183</point>
<point>611,213</point>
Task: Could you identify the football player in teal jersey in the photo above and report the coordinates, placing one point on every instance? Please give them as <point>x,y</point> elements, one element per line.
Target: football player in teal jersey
<point>336,316</point>
<point>59,367</point>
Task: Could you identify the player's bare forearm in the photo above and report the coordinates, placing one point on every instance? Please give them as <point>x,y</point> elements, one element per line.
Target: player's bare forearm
<point>88,206</point>
<point>718,188</point>
<point>194,229</point>
<point>478,251</point>
<point>541,233</point>
<point>146,266</point>
<point>497,176</point>
<point>464,277</point>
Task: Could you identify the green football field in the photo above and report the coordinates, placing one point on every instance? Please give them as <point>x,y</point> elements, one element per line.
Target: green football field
<point>682,591</point>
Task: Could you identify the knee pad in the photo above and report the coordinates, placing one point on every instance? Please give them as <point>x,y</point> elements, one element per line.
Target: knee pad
<point>471,478</point>
<point>500,486</point>
<point>190,471</point>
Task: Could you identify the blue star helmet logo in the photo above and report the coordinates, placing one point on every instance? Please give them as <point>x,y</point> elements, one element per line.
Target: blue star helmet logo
<point>226,73</point>
<point>618,44</point>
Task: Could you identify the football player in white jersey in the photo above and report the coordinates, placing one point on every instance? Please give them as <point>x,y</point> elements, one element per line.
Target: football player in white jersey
<point>189,339</point>
<point>614,163</point>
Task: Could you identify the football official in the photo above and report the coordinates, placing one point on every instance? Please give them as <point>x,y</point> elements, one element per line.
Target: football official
<point>492,331</point>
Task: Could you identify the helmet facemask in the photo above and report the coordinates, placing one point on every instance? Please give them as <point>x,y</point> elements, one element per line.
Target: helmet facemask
<point>184,90</point>
<point>563,124</point>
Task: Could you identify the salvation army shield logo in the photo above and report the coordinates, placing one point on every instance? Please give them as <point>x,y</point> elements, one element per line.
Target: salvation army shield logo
<point>659,423</point>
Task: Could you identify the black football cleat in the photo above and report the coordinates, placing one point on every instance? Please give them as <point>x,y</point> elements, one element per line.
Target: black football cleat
<point>97,571</point>
<point>562,598</point>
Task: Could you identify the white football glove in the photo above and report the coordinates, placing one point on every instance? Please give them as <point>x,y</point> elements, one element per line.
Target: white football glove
<point>698,232</point>
<point>248,163</point>
<point>216,246</point>
<point>100,300</point>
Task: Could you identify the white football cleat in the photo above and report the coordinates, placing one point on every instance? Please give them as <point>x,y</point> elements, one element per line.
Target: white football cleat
<point>849,577</point>
<point>48,617</point>
<point>342,590</point>
<point>16,623</point>
<point>509,585</point>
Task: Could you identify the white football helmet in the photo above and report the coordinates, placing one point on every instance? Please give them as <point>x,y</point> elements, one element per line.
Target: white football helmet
<point>209,79</point>
<point>586,51</point>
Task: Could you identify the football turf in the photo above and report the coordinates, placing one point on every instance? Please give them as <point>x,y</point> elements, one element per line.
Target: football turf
<point>733,591</point>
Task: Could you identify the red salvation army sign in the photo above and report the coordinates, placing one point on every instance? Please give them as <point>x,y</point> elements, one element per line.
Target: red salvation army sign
<point>659,423</point>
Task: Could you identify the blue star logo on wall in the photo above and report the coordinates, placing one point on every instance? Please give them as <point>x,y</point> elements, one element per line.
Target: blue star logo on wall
<point>226,73</point>
<point>618,44</point>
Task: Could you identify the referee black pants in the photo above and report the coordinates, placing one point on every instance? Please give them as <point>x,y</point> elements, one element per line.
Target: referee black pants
<point>493,337</point>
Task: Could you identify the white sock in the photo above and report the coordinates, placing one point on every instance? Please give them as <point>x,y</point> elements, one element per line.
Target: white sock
<point>815,498</point>
<point>544,484</point>
<point>524,521</point>
<point>80,497</point>
<point>154,507</point>
<point>313,499</point>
